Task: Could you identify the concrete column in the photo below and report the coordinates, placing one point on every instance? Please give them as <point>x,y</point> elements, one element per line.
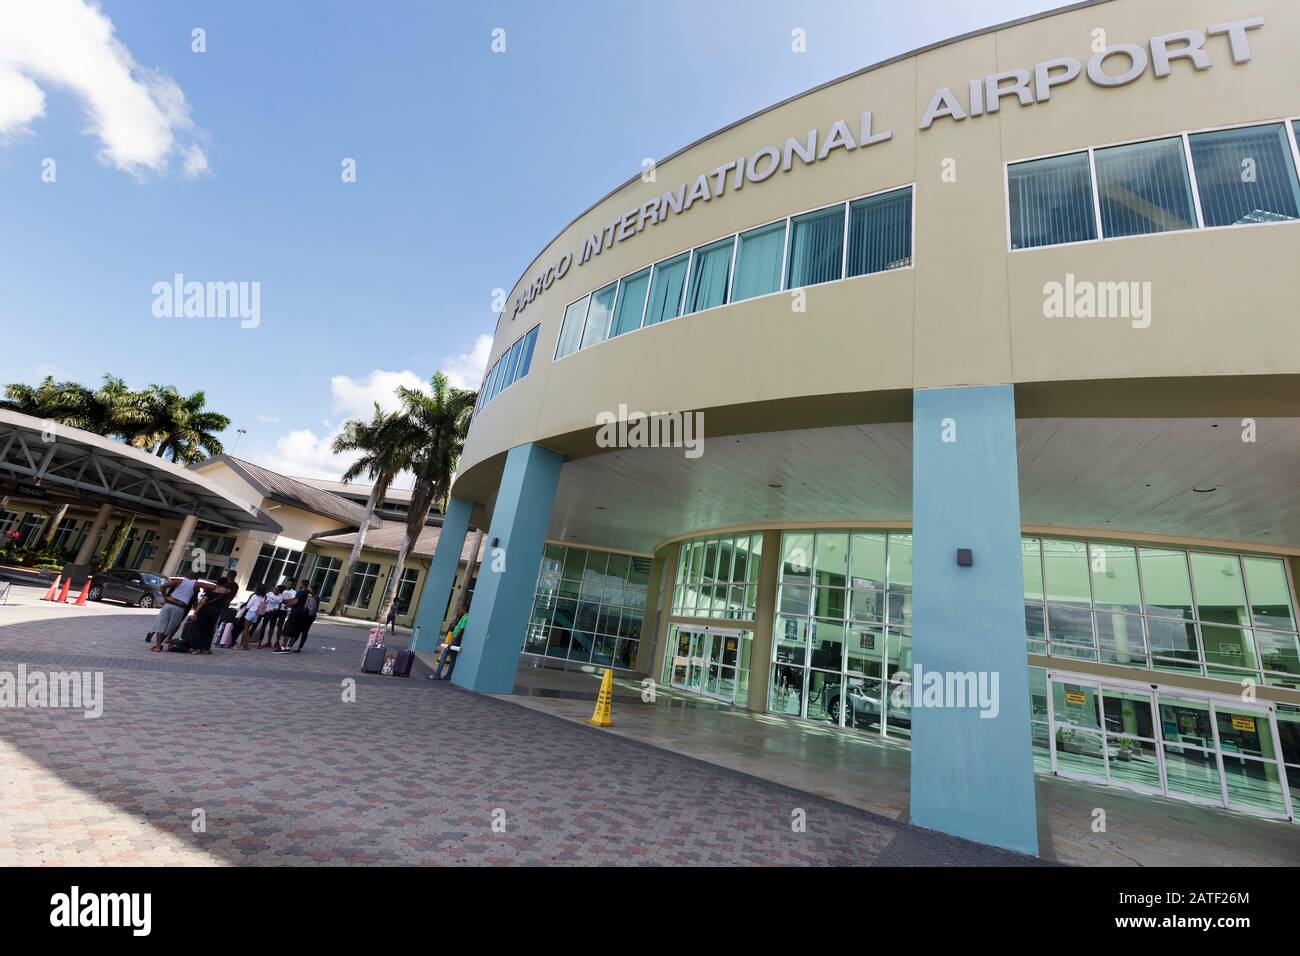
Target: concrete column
<point>662,624</point>
<point>503,597</point>
<point>87,549</point>
<point>462,582</point>
<point>177,553</point>
<point>972,767</point>
<point>442,572</point>
<point>760,653</point>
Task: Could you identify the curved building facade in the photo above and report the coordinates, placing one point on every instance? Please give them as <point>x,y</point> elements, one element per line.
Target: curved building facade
<point>954,400</point>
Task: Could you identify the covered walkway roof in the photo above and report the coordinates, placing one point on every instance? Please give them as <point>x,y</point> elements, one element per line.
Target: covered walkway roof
<point>38,457</point>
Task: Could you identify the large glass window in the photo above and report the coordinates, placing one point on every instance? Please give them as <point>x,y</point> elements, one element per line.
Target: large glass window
<point>526,359</point>
<point>880,232</point>
<point>718,578</point>
<point>710,270</point>
<point>1143,187</point>
<point>571,329</point>
<point>1245,175</point>
<point>599,314</point>
<point>1051,201</point>
<point>842,642</point>
<point>589,606</point>
<point>816,248</point>
<point>324,577</point>
<point>758,262</point>
<point>1214,613</point>
<point>631,302</point>
<point>666,288</point>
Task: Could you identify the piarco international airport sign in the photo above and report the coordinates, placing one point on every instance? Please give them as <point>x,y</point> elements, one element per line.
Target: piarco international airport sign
<point>1115,65</point>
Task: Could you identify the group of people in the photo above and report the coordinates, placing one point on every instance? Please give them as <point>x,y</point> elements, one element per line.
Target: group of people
<point>276,617</point>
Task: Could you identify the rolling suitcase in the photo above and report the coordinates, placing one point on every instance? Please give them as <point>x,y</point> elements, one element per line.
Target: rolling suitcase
<point>227,635</point>
<point>388,665</point>
<point>374,659</point>
<point>402,666</point>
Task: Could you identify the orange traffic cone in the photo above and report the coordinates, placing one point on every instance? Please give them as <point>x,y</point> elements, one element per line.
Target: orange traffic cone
<point>81,598</point>
<point>54,589</point>
<point>63,595</point>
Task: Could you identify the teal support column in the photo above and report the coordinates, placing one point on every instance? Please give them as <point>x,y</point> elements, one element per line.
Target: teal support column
<point>442,575</point>
<point>507,579</point>
<point>972,764</point>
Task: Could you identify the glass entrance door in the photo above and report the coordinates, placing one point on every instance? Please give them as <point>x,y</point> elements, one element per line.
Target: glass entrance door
<point>1204,749</point>
<point>705,662</point>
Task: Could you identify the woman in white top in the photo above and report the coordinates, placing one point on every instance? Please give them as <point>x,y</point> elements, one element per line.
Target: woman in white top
<point>255,607</point>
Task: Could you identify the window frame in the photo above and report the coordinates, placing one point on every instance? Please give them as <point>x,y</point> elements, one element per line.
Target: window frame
<point>1288,125</point>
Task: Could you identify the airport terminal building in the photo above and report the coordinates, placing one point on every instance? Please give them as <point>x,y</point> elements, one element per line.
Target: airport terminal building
<point>956,401</point>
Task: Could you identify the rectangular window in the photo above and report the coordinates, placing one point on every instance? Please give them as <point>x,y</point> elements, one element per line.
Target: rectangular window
<point>1144,188</point>
<point>571,329</point>
<point>880,232</point>
<point>666,289</point>
<point>1245,175</point>
<point>598,316</point>
<point>363,585</point>
<point>758,262</point>
<point>498,379</point>
<point>631,302</point>
<point>710,269</point>
<point>816,248</point>
<point>526,357</point>
<point>31,527</point>
<point>406,588</point>
<point>1051,201</point>
<point>7,519</point>
<point>512,363</point>
<point>324,577</point>
<point>485,387</point>
<point>64,532</point>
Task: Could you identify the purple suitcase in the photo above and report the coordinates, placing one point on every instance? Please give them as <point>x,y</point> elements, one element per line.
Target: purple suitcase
<point>374,659</point>
<point>402,666</point>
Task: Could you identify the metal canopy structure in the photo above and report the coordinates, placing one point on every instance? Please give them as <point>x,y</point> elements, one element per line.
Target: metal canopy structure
<point>39,454</point>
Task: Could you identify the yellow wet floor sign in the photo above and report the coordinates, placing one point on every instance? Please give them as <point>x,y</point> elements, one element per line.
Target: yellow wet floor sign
<point>603,714</point>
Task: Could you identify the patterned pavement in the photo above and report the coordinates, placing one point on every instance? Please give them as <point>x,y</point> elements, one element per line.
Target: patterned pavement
<point>285,771</point>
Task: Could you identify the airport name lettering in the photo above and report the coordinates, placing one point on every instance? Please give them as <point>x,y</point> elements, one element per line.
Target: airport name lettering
<point>984,96</point>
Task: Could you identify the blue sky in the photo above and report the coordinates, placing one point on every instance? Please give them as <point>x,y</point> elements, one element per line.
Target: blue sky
<point>468,163</point>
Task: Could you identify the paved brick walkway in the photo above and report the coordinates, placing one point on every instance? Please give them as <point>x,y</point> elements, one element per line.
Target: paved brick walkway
<point>412,772</point>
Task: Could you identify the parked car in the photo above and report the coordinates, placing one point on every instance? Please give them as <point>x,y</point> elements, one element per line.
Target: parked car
<point>135,588</point>
<point>865,706</point>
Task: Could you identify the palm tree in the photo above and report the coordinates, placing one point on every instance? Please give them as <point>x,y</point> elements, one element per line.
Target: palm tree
<point>177,426</point>
<point>431,430</point>
<point>382,457</point>
<point>112,409</point>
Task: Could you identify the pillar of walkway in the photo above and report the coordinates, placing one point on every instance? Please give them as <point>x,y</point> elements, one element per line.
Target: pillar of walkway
<point>441,576</point>
<point>177,553</point>
<point>972,771</point>
<point>87,549</point>
<point>503,597</point>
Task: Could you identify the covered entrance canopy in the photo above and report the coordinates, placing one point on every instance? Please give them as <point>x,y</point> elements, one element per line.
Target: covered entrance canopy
<point>41,459</point>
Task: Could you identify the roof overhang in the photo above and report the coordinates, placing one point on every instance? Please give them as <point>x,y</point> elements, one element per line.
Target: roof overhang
<point>57,458</point>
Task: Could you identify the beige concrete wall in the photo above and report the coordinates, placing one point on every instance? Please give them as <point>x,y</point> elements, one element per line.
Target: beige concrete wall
<point>970,311</point>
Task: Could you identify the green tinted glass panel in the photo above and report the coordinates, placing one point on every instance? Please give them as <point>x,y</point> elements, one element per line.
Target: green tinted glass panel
<point>571,329</point>
<point>1065,566</point>
<point>1220,593</point>
<point>1115,577</point>
<point>758,262</point>
<point>599,315</point>
<point>1032,560</point>
<point>1166,588</point>
<point>666,289</point>
<point>631,302</point>
<point>900,560</point>
<point>710,270</point>
<point>867,554</point>
<point>1270,596</point>
<point>832,559</point>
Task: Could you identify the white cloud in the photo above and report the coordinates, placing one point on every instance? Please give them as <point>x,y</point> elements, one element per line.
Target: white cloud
<point>356,397</point>
<point>466,370</point>
<point>139,115</point>
<point>305,452</point>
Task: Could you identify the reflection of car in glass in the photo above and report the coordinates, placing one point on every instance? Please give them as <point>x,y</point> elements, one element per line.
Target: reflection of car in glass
<point>137,588</point>
<point>865,706</point>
